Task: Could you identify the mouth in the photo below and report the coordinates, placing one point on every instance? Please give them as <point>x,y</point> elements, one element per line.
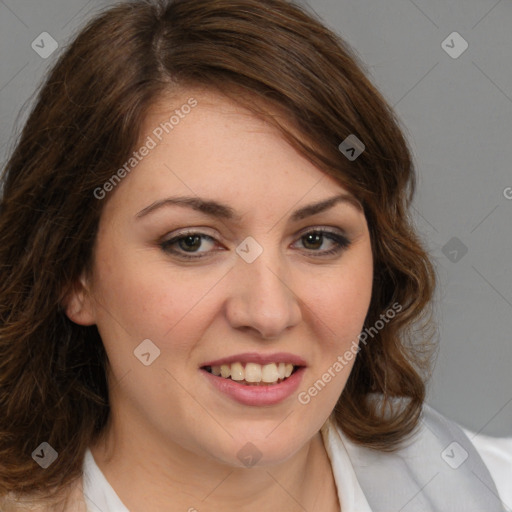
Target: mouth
<point>256,379</point>
<point>253,374</point>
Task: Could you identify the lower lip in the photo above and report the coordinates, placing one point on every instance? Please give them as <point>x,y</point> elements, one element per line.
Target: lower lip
<point>257,395</point>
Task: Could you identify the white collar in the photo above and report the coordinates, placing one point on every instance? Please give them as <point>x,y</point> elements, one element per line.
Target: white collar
<point>350,494</point>
<point>98,493</point>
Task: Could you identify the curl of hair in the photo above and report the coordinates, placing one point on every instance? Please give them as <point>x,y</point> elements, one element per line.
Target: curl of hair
<point>281,63</point>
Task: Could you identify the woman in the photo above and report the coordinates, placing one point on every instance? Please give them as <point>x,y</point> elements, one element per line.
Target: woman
<point>210,280</point>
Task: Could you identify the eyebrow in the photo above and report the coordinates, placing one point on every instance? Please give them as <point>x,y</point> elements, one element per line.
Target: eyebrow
<point>222,211</point>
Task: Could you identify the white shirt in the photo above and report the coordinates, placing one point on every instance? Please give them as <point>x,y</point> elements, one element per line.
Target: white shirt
<point>495,452</point>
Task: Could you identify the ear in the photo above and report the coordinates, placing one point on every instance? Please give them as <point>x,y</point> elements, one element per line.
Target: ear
<point>77,303</point>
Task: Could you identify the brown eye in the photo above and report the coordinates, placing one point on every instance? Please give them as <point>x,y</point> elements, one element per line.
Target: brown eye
<point>189,245</point>
<point>313,240</point>
<point>322,242</point>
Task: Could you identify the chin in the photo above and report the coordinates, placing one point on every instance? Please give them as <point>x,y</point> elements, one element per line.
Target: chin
<point>261,448</point>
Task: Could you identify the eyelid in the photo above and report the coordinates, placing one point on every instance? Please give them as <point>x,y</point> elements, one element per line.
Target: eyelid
<point>203,230</point>
<point>166,242</point>
<point>336,235</point>
<point>322,229</point>
<point>200,230</point>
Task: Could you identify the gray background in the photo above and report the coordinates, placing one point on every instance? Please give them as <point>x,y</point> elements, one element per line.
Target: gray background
<point>457,115</point>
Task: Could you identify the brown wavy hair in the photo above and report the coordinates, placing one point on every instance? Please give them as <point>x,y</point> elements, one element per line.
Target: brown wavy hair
<point>84,125</point>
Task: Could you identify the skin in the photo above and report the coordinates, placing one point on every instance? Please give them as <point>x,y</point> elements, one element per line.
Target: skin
<point>172,439</point>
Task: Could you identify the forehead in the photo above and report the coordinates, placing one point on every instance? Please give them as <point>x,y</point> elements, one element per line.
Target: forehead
<point>217,149</point>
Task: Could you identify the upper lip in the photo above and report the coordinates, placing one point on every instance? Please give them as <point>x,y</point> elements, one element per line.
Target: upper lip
<point>254,357</point>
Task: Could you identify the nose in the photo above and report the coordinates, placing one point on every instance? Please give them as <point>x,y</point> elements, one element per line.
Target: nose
<point>261,299</point>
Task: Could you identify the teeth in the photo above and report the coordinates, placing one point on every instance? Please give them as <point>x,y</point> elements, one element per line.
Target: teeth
<point>254,373</point>
<point>237,371</point>
<point>269,373</point>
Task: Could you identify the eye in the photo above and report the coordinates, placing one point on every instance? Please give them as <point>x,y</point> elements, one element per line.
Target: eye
<point>190,245</point>
<point>323,242</point>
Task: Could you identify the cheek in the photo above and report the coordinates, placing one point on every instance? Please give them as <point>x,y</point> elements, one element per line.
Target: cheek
<point>342,300</point>
<point>338,307</point>
<point>145,296</point>
<point>344,310</point>
<point>339,318</point>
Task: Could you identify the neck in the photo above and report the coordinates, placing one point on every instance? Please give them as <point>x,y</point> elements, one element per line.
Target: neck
<point>152,479</point>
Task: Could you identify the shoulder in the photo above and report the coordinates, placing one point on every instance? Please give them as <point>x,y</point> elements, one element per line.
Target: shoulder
<point>496,452</point>
<point>436,468</point>
<point>71,501</point>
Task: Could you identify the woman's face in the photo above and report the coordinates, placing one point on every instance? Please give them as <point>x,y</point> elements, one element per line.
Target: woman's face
<point>229,252</point>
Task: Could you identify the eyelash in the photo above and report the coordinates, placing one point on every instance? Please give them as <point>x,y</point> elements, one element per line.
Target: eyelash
<point>341,242</point>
